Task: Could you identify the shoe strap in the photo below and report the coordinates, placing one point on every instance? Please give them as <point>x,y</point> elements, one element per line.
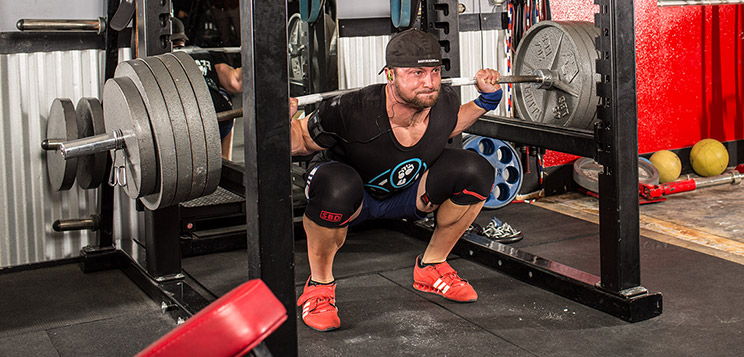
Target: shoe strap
<point>318,292</point>
<point>447,273</point>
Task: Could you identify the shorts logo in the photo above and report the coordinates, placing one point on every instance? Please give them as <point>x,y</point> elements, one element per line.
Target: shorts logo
<point>404,174</point>
<point>330,216</point>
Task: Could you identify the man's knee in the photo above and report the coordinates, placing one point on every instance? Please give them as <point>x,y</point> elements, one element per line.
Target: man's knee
<point>334,192</point>
<point>462,176</point>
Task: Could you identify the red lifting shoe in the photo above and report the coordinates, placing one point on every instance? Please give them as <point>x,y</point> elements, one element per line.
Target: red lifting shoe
<point>319,311</point>
<point>442,280</point>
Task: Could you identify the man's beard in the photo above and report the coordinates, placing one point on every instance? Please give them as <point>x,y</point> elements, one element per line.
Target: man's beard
<point>416,101</point>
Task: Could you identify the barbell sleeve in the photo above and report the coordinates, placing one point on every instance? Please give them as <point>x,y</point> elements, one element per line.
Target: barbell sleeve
<point>91,145</point>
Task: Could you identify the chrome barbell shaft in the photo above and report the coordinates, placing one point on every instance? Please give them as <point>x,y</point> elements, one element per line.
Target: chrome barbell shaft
<point>309,99</point>
<point>318,97</point>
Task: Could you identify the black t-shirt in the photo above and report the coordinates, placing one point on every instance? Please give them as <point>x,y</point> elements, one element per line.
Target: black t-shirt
<point>365,141</point>
<point>206,61</point>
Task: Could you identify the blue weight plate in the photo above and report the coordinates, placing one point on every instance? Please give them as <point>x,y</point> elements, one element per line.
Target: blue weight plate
<point>508,169</point>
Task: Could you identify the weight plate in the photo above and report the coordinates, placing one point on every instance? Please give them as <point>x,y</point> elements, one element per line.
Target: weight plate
<point>165,146</point>
<point>508,169</point>
<point>61,125</point>
<point>588,33</point>
<point>297,48</point>
<point>125,111</point>
<point>209,120</point>
<point>193,119</point>
<point>185,181</point>
<point>566,49</point>
<point>91,169</point>
<point>586,173</point>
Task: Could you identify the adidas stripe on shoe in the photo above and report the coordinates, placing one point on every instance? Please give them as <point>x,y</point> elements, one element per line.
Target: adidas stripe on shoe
<point>442,280</point>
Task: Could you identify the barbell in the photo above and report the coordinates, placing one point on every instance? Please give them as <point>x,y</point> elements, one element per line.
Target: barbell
<point>161,126</point>
<point>543,78</point>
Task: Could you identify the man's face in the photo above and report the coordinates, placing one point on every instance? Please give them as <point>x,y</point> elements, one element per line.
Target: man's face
<point>418,86</point>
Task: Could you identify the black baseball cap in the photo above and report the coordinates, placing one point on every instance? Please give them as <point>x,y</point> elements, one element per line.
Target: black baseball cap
<point>178,30</point>
<point>413,48</point>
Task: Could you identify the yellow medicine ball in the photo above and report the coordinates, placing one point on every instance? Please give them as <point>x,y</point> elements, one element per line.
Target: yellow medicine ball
<point>668,165</point>
<point>709,157</point>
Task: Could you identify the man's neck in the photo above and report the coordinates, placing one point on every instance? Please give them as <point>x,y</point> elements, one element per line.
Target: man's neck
<point>400,113</point>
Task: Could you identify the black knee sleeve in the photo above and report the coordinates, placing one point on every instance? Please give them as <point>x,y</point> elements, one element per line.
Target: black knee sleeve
<point>460,175</point>
<point>334,192</point>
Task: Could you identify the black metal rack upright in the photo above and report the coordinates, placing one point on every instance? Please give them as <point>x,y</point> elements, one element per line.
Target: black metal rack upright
<point>268,184</point>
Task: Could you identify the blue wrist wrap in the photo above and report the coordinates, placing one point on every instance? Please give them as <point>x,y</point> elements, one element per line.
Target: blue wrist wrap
<point>489,101</point>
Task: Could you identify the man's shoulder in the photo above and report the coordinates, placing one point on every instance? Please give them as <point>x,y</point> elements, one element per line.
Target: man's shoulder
<point>448,96</point>
<point>449,92</point>
<point>370,95</point>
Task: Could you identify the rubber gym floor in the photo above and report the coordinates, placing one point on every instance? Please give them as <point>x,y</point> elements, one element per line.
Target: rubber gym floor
<point>59,311</point>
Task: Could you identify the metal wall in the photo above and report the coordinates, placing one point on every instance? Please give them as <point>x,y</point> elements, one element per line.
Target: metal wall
<point>360,58</point>
<point>28,84</point>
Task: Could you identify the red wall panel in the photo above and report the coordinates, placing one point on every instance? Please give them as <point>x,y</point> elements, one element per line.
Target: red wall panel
<point>689,72</point>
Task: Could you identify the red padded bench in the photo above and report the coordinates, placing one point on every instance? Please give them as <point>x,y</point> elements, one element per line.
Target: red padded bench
<point>230,326</point>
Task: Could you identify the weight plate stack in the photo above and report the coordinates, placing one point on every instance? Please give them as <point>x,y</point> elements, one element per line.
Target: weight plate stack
<point>209,120</point>
<point>91,169</point>
<point>61,126</point>
<point>180,127</point>
<point>508,168</point>
<point>567,50</point>
<point>165,144</point>
<point>125,112</point>
<point>194,121</point>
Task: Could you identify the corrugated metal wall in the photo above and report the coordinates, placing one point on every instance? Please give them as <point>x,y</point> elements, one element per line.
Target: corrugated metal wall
<point>360,58</point>
<point>28,84</point>
<point>482,49</point>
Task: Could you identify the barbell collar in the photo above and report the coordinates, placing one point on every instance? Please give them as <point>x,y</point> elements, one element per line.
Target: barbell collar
<point>92,145</point>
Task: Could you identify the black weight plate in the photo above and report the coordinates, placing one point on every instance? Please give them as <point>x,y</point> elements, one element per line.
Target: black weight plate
<point>209,120</point>
<point>62,126</point>
<point>125,111</point>
<point>165,146</point>
<point>91,170</point>
<point>193,119</point>
<point>180,127</point>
